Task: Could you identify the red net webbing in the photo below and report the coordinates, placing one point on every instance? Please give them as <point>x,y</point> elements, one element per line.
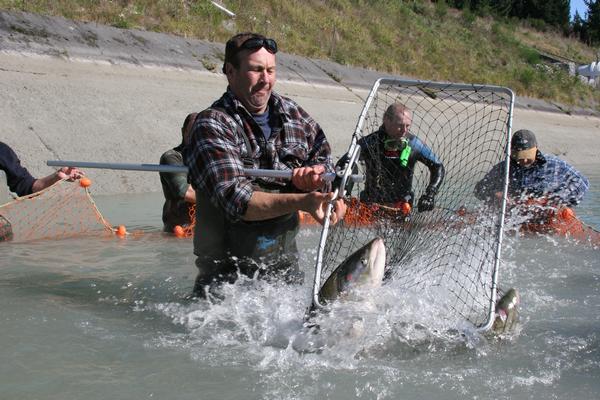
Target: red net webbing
<point>359,214</point>
<point>62,210</point>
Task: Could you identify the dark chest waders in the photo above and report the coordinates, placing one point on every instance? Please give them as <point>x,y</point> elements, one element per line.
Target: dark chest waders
<point>266,246</point>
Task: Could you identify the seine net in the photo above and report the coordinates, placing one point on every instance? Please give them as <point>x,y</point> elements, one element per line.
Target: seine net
<point>62,210</point>
<point>446,250</point>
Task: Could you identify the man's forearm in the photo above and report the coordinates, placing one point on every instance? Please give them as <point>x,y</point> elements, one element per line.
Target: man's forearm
<point>43,183</point>
<point>265,205</point>
<point>436,172</point>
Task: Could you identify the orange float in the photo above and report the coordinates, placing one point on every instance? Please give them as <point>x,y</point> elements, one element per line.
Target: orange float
<point>121,231</point>
<point>405,208</point>
<point>85,182</point>
<point>178,231</point>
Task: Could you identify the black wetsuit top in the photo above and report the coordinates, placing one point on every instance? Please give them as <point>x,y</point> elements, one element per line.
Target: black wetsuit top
<point>390,166</point>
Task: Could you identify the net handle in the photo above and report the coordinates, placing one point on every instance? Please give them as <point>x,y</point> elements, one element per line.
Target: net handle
<point>263,173</point>
<point>354,152</point>
<point>354,156</point>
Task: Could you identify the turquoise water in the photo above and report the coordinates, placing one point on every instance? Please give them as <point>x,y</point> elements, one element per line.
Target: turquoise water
<point>100,318</point>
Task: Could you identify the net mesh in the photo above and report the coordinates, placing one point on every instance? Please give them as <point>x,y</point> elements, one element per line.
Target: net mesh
<point>446,250</point>
<point>62,210</point>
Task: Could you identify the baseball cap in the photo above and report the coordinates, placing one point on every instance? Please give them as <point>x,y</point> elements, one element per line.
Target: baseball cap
<point>523,145</point>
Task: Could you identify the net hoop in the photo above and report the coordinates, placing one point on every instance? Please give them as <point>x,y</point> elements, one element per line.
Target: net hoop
<point>446,102</point>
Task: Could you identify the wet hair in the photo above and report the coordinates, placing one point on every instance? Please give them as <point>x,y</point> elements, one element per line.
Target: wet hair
<point>234,45</point>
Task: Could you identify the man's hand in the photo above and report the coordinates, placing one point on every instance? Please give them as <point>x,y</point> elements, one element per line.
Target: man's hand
<point>426,203</point>
<point>69,173</point>
<point>317,204</point>
<point>308,179</point>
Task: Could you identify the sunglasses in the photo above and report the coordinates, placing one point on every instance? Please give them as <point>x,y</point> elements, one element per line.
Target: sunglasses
<point>256,43</point>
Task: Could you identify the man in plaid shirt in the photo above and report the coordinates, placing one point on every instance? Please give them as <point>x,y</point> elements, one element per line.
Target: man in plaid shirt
<point>533,175</point>
<point>250,224</point>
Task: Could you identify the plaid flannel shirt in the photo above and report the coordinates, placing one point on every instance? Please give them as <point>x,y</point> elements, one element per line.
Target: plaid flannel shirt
<point>218,152</point>
<point>549,176</point>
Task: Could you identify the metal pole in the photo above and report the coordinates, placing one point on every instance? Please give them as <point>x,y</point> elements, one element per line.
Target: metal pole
<point>265,173</point>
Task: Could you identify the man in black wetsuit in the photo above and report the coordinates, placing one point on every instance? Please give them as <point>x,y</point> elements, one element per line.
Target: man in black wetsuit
<point>390,155</point>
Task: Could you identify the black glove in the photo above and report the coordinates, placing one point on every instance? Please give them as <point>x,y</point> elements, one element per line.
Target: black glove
<point>426,203</point>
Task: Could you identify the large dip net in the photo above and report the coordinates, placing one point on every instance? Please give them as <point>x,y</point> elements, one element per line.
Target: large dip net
<point>62,210</point>
<point>452,251</point>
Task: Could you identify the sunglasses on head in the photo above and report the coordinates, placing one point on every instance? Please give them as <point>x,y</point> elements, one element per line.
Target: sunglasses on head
<point>256,43</point>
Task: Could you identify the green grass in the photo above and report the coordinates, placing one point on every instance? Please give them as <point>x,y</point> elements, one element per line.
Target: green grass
<point>413,38</point>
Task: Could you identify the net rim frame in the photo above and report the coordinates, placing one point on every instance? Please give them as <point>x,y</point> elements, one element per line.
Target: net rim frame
<point>486,326</point>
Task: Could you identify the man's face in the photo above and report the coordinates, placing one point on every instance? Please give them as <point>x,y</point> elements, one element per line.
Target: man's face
<point>398,124</point>
<point>253,82</point>
<point>525,158</point>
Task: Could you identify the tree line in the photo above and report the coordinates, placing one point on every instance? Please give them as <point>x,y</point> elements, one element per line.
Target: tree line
<point>542,14</point>
<point>588,29</point>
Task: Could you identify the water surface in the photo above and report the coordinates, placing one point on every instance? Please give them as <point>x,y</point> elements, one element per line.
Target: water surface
<point>102,317</point>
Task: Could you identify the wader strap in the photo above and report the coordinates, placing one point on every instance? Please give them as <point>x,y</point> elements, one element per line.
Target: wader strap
<point>248,161</point>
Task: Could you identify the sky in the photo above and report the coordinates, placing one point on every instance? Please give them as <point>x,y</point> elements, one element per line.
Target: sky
<point>578,5</point>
